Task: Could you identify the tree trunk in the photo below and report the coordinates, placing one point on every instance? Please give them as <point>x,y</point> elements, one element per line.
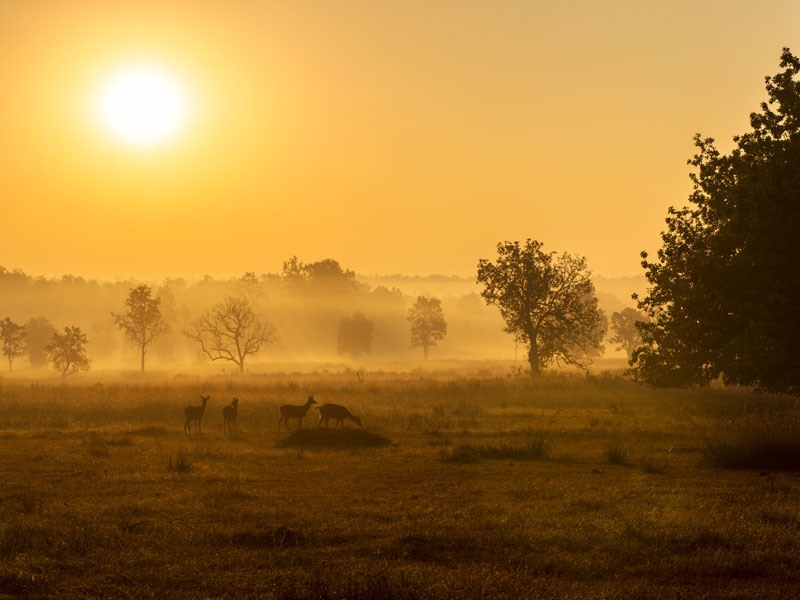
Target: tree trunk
<point>142,359</point>
<point>425,351</point>
<point>533,358</point>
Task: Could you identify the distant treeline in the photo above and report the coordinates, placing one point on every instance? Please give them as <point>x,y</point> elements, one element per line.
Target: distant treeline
<point>305,302</point>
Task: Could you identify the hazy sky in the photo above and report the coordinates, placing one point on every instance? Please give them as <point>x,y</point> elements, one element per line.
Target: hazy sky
<point>396,137</point>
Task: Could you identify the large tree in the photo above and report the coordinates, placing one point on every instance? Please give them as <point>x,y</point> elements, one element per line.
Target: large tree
<point>13,336</point>
<point>428,326</point>
<point>67,351</point>
<point>725,286</point>
<point>231,331</point>
<point>142,321</point>
<point>547,300</point>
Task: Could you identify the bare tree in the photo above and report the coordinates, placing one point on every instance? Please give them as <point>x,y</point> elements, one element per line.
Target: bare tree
<point>142,322</point>
<point>231,331</point>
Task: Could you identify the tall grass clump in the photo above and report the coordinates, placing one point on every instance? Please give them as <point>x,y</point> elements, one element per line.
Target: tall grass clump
<point>762,440</point>
<point>469,453</point>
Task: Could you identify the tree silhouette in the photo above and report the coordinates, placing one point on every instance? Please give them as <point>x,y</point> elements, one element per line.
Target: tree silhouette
<point>67,351</point>
<point>549,301</point>
<point>626,334</point>
<point>142,322</point>
<point>13,336</point>
<point>725,286</point>
<point>355,335</point>
<point>38,334</point>
<point>231,331</point>
<point>427,323</point>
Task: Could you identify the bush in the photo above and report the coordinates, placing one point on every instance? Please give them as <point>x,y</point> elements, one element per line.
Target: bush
<point>767,440</point>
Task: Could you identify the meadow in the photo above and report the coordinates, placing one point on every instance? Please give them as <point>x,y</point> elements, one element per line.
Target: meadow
<point>490,485</point>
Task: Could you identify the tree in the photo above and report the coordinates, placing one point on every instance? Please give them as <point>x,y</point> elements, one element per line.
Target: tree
<point>355,335</point>
<point>549,301</point>
<point>142,322</point>
<point>13,336</point>
<point>231,331</point>
<point>725,286</point>
<point>626,334</point>
<point>427,323</point>
<point>38,334</point>
<point>67,351</point>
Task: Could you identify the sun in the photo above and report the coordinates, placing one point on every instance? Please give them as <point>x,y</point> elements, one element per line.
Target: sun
<point>142,105</point>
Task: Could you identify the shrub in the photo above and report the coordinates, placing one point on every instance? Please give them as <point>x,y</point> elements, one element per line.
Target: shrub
<point>765,440</point>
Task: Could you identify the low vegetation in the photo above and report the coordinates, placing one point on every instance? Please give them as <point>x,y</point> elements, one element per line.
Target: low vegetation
<point>460,485</point>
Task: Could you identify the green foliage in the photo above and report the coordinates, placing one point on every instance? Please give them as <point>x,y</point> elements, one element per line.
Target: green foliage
<point>725,286</point>
<point>427,323</point>
<point>547,301</point>
<point>67,351</point>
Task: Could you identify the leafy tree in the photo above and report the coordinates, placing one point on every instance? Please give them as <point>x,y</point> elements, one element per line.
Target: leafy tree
<point>725,286</point>
<point>548,301</point>
<point>67,351</point>
<point>427,323</point>
<point>355,335</point>
<point>626,334</point>
<point>321,277</point>
<point>142,322</point>
<point>231,331</point>
<point>38,334</point>
<point>13,336</point>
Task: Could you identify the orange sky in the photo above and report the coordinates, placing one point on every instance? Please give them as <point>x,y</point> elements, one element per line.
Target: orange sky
<point>396,137</point>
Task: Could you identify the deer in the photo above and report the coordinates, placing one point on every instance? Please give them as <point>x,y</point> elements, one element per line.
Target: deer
<point>195,413</point>
<point>290,411</point>
<point>230,414</point>
<point>337,412</point>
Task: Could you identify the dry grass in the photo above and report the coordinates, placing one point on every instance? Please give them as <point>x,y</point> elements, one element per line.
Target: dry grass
<point>571,488</point>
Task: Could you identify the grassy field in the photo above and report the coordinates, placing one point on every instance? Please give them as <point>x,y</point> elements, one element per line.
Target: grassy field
<point>491,486</point>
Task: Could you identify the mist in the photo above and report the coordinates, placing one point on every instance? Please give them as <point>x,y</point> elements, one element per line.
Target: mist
<point>305,306</point>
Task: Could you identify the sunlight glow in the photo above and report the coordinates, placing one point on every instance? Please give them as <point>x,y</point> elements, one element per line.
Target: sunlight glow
<point>142,106</point>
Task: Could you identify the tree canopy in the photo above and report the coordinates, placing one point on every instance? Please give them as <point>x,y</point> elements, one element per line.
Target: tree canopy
<point>67,351</point>
<point>428,326</point>
<point>142,321</point>
<point>548,301</point>
<point>725,285</point>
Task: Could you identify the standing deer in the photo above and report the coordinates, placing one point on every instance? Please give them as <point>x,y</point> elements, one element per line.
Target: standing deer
<point>195,413</point>
<point>337,412</point>
<point>230,414</point>
<point>290,411</point>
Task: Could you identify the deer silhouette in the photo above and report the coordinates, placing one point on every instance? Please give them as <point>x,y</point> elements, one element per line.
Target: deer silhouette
<point>290,411</point>
<point>230,414</point>
<point>195,413</point>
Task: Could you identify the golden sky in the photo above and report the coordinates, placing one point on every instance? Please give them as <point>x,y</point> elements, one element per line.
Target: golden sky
<point>396,137</point>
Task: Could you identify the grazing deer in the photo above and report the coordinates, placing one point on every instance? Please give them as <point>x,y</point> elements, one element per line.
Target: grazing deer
<point>339,413</point>
<point>290,411</point>
<point>195,413</point>
<point>230,414</point>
